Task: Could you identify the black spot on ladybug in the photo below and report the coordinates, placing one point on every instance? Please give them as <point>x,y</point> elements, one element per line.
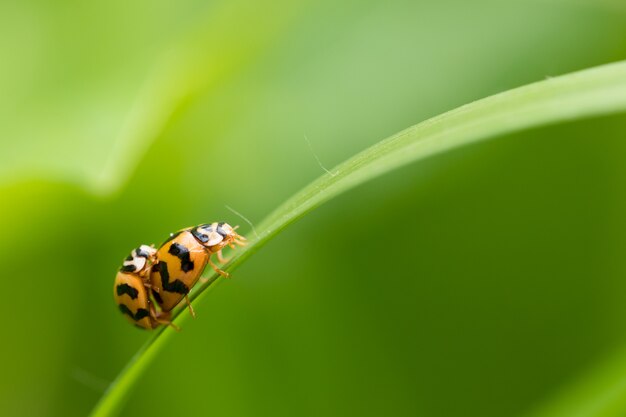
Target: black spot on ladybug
<point>201,237</point>
<point>177,286</point>
<point>126,310</point>
<point>140,314</point>
<point>182,253</point>
<point>129,257</point>
<point>157,297</point>
<point>140,252</point>
<point>176,249</point>
<point>221,231</point>
<point>186,265</point>
<point>128,268</point>
<point>127,289</point>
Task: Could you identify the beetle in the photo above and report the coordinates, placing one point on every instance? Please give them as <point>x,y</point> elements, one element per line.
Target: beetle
<point>182,258</point>
<point>131,289</point>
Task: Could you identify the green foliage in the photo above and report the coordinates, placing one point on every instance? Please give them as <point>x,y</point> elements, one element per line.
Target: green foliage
<point>486,281</point>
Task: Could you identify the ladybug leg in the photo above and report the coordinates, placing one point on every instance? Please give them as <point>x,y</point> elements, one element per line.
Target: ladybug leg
<point>164,318</point>
<point>193,313</point>
<point>169,323</point>
<point>220,257</point>
<point>240,240</point>
<point>219,271</point>
<point>161,318</point>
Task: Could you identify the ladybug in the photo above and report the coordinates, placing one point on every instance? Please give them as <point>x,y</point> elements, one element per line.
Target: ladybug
<point>183,257</point>
<point>131,289</point>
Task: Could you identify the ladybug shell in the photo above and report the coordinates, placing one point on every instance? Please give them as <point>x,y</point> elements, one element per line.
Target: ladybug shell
<point>133,300</point>
<point>181,260</point>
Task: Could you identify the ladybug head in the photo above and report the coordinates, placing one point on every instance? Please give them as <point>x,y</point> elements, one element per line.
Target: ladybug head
<point>216,236</point>
<point>139,260</point>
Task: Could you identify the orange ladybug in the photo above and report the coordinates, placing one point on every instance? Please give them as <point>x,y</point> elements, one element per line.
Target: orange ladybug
<point>131,289</point>
<point>183,257</point>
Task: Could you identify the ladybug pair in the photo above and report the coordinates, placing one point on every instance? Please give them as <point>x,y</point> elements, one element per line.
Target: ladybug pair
<point>169,273</point>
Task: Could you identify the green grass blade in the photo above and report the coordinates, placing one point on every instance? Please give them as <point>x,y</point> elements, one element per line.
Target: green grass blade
<point>593,92</point>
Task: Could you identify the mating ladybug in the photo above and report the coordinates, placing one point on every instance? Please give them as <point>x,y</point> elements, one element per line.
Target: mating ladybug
<point>131,289</point>
<point>183,257</point>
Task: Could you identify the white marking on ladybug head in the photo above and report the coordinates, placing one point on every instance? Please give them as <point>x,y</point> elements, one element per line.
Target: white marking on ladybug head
<point>149,250</point>
<point>227,229</point>
<point>137,262</point>
<point>211,237</point>
<point>139,258</point>
<point>214,238</point>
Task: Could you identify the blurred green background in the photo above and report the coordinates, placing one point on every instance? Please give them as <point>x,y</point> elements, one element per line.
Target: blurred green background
<point>477,283</point>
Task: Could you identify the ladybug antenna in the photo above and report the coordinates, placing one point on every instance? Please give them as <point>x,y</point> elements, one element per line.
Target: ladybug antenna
<point>244,218</point>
